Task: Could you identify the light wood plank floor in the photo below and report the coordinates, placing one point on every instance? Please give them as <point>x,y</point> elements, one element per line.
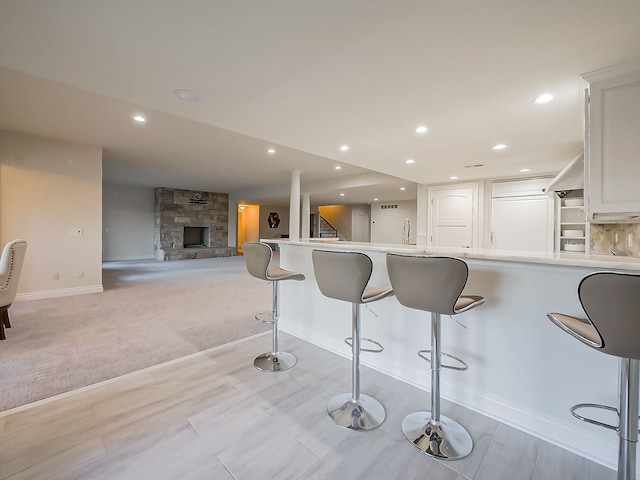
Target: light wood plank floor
<point>214,416</point>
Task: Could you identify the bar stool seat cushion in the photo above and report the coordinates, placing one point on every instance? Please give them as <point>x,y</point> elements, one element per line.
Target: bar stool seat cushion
<point>277,273</point>
<point>578,327</point>
<point>466,302</point>
<point>376,293</point>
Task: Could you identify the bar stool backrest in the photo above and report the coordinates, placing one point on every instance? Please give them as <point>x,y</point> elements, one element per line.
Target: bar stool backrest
<point>432,284</point>
<point>611,301</point>
<point>342,275</point>
<point>257,256</point>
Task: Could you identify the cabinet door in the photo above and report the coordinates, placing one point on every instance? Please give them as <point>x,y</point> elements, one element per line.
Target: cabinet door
<point>522,223</point>
<point>613,153</point>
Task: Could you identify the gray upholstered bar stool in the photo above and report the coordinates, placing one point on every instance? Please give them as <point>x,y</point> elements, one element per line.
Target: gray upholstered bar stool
<point>345,276</point>
<point>612,326</point>
<point>434,284</point>
<point>258,257</point>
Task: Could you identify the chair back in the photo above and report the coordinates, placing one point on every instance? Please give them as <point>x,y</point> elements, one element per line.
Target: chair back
<point>10,267</point>
<point>610,301</point>
<point>257,257</point>
<point>342,275</point>
<point>432,284</point>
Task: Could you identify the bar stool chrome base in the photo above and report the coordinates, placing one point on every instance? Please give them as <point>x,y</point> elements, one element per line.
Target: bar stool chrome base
<point>366,413</point>
<point>446,439</point>
<point>274,362</point>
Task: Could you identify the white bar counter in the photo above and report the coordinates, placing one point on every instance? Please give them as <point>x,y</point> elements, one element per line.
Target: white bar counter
<point>523,370</point>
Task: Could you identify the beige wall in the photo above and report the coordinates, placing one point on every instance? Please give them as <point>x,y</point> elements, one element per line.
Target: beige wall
<point>387,223</point>
<point>127,220</point>
<point>48,189</point>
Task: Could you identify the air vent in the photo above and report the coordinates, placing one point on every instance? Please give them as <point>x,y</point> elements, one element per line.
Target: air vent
<point>384,207</point>
<point>474,166</point>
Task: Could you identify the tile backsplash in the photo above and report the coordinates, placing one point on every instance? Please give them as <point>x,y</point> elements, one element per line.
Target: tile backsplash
<point>615,239</point>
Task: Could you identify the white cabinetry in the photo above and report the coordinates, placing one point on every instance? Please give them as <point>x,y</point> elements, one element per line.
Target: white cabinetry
<point>521,216</point>
<point>612,150</point>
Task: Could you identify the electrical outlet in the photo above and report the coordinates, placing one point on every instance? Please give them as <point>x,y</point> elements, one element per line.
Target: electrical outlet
<point>55,276</point>
<point>80,274</point>
<point>75,232</point>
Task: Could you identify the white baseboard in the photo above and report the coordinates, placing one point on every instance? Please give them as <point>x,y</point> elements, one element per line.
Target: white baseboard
<point>62,292</point>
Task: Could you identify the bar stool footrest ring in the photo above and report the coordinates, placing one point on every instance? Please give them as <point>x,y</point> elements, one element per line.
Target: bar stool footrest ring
<point>421,354</point>
<point>582,418</point>
<point>264,317</point>
<point>380,348</point>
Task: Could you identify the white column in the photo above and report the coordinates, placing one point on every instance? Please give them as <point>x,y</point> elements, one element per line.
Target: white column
<point>294,206</point>
<point>305,227</point>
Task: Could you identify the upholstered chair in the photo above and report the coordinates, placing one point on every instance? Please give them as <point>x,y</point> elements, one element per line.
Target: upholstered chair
<point>10,267</point>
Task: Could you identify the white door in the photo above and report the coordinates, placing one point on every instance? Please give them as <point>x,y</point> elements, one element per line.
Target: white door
<point>522,223</point>
<point>452,216</point>
<point>362,228</point>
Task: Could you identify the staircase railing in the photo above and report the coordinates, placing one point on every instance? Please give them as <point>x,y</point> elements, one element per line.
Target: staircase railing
<point>326,230</point>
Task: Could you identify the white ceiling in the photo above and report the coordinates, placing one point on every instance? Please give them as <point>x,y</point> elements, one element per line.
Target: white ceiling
<point>305,77</point>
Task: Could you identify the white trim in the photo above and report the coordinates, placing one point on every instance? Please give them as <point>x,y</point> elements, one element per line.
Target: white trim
<point>63,292</point>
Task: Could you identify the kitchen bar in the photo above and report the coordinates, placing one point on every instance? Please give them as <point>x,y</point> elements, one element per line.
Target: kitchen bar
<point>523,370</point>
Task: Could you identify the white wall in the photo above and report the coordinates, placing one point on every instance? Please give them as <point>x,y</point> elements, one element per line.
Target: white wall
<point>127,221</point>
<point>387,223</point>
<point>48,189</point>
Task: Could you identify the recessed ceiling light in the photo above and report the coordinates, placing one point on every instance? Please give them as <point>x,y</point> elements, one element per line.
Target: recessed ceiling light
<point>375,199</point>
<point>500,146</point>
<point>403,188</point>
<point>453,177</point>
<point>344,148</point>
<point>421,129</point>
<point>139,118</point>
<point>338,167</point>
<point>271,151</point>
<point>544,98</point>
<point>187,95</point>
<point>523,170</point>
<point>410,161</point>
<point>342,194</point>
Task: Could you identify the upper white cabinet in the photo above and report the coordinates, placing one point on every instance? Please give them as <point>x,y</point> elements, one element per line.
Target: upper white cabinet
<point>612,150</point>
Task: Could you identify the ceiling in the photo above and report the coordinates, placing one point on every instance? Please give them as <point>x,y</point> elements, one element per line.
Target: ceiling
<point>305,77</point>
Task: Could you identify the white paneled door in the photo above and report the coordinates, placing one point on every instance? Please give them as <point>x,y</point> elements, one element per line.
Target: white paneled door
<point>453,216</point>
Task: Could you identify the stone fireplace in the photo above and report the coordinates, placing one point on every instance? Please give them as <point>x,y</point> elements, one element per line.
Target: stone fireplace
<point>191,224</point>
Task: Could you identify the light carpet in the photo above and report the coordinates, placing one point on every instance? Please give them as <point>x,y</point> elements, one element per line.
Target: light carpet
<point>150,312</point>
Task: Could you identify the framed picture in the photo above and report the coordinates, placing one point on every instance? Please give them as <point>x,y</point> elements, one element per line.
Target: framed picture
<point>274,219</point>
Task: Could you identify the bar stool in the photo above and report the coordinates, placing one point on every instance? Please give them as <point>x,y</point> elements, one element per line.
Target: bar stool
<point>257,256</point>
<point>434,284</point>
<point>612,326</point>
<point>345,276</point>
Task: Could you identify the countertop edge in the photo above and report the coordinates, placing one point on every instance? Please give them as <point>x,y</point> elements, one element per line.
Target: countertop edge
<point>568,259</point>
